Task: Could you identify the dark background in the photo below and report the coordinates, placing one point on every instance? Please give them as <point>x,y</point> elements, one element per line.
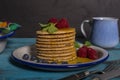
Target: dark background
<point>29,13</point>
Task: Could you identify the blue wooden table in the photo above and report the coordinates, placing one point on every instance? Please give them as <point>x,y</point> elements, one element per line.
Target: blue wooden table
<point>10,70</point>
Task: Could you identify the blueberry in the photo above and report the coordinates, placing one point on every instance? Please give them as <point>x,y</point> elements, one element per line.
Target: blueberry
<point>53,62</point>
<point>39,60</point>
<point>79,62</point>
<point>25,57</point>
<point>0,31</point>
<point>64,62</point>
<point>44,61</point>
<point>33,58</point>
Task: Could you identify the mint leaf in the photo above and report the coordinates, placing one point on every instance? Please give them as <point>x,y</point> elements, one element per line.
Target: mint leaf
<point>45,29</point>
<point>13,26</point>
<point>76,44</point>
<point>87,43</point>
<point>44,25</point>
<point>50,28</point>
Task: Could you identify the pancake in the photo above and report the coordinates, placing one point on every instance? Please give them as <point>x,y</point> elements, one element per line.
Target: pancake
<point>56,36</point>
<point>56,49</point>
<point>58,59</point>
<point>56,52</point>
<point>60,31</point>
<point>56,39</point>
<point>56,55</point>
<point>54,46</point>
<point>55,42</point>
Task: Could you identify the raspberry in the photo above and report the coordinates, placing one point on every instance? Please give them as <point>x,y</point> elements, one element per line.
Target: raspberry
<point>63,23</point>
<point>52,20</point>
<point>82,52</point>
<point>92,54</point>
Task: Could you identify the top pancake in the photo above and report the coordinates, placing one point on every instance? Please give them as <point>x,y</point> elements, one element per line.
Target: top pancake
<point>60,31</point>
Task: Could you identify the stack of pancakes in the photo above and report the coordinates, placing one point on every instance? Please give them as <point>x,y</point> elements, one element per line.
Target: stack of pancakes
<point>58,46</point>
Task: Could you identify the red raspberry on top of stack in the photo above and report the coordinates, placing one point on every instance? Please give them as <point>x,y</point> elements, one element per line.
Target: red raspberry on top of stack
<point>52,20</point>
<point>62,23</point>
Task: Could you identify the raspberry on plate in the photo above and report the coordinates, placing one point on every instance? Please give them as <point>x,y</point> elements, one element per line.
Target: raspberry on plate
<point>87,52</point>
<point>92,54</point>
<point>82,52</point>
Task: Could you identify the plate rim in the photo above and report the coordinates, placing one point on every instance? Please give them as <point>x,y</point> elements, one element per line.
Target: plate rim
<point>62,66</point>
<point>7,35</point>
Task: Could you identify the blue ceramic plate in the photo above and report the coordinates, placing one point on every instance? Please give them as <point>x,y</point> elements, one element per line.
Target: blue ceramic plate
<point>18,54</point>
<point>7,35</point>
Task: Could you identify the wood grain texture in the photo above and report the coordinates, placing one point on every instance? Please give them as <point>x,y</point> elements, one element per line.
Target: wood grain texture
<point>10,70</point>
<point>29,13</point>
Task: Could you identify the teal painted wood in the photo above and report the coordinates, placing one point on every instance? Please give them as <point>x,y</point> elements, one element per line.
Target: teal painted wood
<point>13,71</point>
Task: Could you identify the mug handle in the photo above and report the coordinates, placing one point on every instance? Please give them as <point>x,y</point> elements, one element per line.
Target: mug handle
<point>82,28</point>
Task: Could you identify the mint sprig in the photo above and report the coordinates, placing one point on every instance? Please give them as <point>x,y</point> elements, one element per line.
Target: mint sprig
<point>87,43</point>
<point>76,44</point>
<point>44,25</point>
<point>50,27</point>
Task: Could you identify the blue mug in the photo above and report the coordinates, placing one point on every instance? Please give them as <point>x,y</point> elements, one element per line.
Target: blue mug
<point>104,32</point>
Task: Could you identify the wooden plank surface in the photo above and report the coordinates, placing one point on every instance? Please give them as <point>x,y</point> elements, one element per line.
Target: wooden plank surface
<point>10,70</point>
